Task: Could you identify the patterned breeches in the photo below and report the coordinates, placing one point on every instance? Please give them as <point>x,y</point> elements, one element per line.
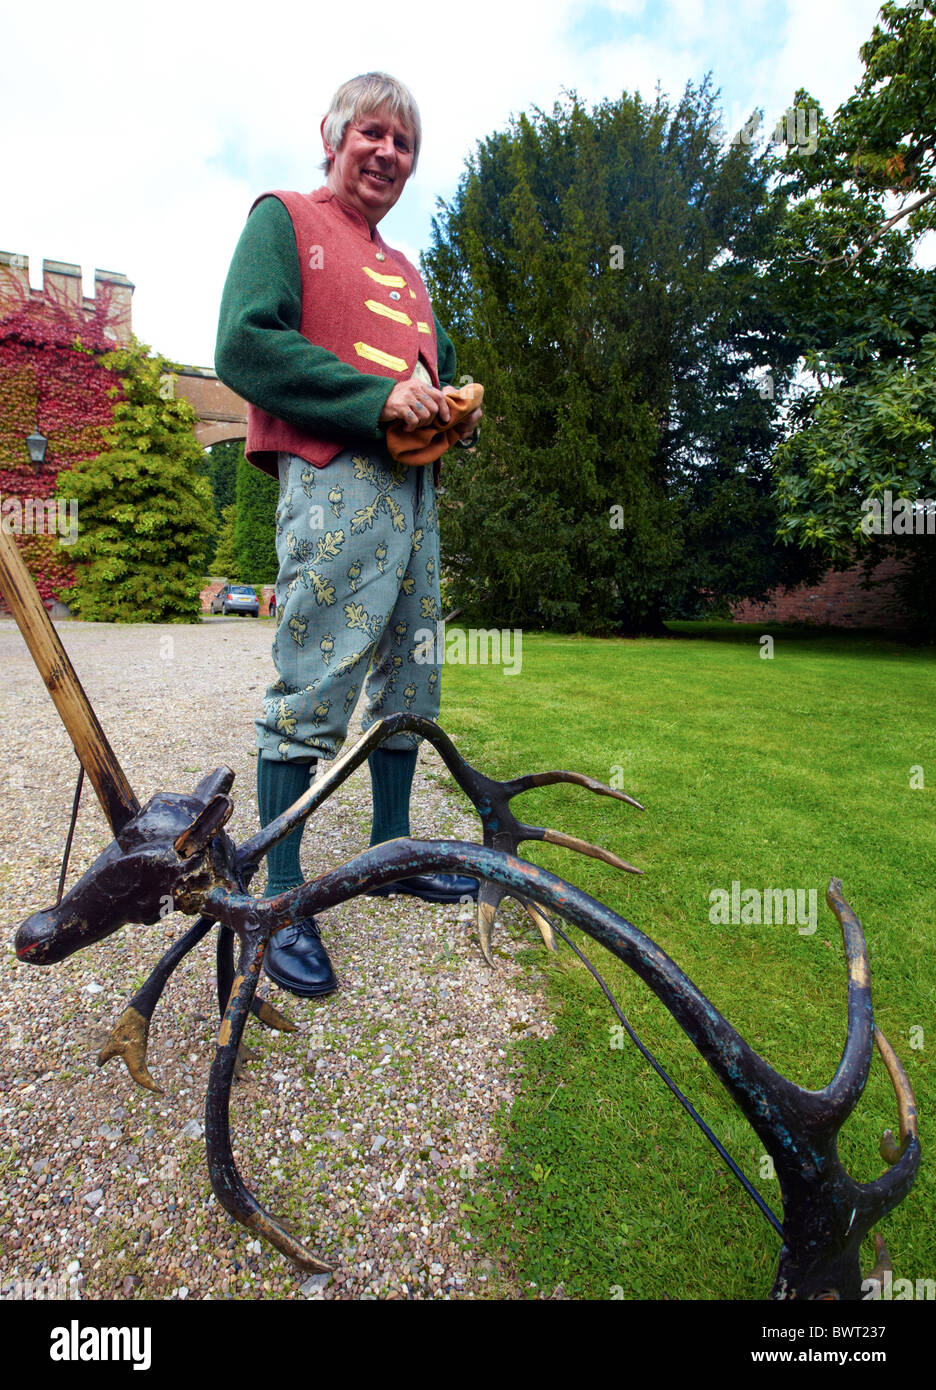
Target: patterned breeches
<point>357,602</point>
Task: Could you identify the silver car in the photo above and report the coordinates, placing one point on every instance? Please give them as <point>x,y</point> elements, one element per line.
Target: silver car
<point>236,598</point>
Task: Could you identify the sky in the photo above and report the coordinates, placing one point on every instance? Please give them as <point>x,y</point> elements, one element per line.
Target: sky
<point>137,137</point>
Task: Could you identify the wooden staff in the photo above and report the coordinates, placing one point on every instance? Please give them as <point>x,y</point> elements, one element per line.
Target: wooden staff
<point>94,752</point>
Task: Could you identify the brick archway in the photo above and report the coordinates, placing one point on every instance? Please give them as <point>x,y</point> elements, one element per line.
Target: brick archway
<point>221,414</point>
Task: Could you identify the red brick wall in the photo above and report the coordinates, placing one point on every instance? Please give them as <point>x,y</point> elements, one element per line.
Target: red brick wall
<point>837,600</point>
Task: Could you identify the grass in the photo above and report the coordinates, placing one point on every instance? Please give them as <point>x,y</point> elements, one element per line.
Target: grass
<point>774,773</point>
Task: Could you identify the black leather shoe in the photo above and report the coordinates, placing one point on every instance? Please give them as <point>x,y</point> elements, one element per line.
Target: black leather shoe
<point>297,960</point>
<point>433,888</point>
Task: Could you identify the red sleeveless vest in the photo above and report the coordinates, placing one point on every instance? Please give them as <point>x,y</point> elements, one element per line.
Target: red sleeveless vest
<point>361,300</point>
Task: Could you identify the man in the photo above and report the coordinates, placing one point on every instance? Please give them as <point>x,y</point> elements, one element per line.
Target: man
<point>329,335</point>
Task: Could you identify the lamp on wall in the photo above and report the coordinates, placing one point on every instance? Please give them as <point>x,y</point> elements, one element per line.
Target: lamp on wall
<point>36,444</point>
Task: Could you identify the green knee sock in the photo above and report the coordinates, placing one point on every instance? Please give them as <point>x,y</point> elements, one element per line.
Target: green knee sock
<point>278,786</point>
<point>391,782</point>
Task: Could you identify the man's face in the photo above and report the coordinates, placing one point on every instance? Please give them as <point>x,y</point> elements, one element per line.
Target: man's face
<point>372,164</point>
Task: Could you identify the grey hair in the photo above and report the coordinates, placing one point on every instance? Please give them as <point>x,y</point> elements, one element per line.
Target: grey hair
<point>363,96</point>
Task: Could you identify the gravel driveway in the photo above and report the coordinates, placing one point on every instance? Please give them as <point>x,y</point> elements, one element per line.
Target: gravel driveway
<point>368,1128</point>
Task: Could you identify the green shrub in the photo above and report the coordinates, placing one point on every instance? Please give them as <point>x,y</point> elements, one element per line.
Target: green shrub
<point>144,506</point>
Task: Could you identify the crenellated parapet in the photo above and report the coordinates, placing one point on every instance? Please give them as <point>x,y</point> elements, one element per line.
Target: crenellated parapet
<point>62,290</point>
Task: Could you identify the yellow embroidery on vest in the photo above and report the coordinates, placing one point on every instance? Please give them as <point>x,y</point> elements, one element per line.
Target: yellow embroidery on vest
<point>412,294</point>
<point>396,280</point>
<point>423,327</point>
<point>397,315</point>
<point>385,359</point>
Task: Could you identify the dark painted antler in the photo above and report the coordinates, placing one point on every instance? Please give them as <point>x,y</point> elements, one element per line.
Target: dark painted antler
<point>826,1213</point>
<point>176,848</point>
<point>491,800</point>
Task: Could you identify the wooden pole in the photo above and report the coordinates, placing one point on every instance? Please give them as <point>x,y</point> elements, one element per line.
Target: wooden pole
<point>99,760</point>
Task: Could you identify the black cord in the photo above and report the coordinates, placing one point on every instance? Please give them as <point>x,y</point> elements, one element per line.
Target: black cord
<point>683,1100</point>
<point>71,831</point>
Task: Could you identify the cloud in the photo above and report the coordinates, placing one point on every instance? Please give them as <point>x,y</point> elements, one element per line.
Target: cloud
<point>137,137</point>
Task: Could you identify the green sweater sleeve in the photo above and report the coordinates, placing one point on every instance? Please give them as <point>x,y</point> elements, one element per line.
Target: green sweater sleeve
<point>262,355</point>
<point>446,354</point>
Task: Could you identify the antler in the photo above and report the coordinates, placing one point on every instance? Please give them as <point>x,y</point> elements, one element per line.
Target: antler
<point>491,800</point>
<point>826,1213</point>
<point>229,1187</point>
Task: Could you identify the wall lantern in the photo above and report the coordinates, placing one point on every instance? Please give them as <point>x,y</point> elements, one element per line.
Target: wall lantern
<point>36,444</point>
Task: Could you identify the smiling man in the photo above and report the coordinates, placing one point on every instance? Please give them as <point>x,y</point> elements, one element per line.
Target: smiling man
<point>329,335</point>
<point>372,164</point>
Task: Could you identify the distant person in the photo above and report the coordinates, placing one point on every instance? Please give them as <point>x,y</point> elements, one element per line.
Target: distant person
<point>329,334</point>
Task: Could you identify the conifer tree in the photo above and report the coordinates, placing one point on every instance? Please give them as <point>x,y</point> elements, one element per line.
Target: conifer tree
<point>599,272</point>
<point>225,557</point>
<point>255,524</point>
<point>222,461</point>
<point>144,505</point>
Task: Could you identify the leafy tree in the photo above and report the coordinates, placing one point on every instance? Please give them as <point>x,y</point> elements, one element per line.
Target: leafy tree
<point>222,460</point>
<point>225,559</point>
<point>255,524</point>
<point>861,313</point>
<point>144,507</point>
<point>601,274</point>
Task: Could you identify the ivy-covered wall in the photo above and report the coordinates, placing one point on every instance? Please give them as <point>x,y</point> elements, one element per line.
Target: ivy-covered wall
<point>50,380</point>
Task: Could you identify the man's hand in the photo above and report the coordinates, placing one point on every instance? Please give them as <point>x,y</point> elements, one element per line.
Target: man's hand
<point>414,403</point>
<point>471,422</point>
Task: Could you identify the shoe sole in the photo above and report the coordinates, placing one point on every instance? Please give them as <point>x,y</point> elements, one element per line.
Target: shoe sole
<point>387,891</point>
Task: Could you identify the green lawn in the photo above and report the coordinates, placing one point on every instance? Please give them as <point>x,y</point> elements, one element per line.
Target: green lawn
<point>776,773</point>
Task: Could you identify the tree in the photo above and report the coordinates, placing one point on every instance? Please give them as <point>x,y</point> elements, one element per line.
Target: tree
<point>222,470</point>
<point>222,474</point>
<point>144,505</point>
<point>601,274</point>
<point>863,315</point>
<point>225,559</point>
<point>255,524</point>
